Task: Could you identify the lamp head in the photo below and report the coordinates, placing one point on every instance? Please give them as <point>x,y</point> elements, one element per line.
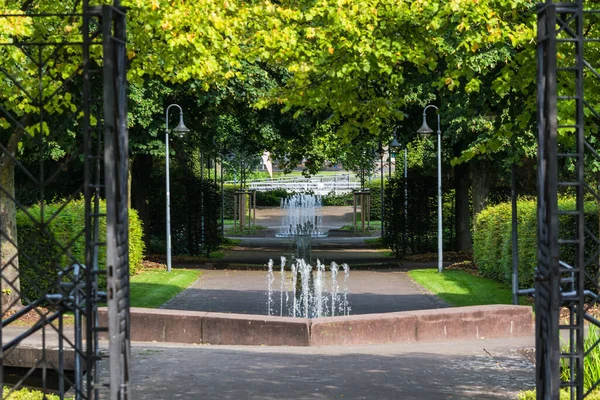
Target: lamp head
<point>424,129</point>
<point>395,145</point>
<point>181,129</point>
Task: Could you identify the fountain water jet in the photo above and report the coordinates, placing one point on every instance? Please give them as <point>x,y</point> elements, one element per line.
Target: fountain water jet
<point>270,280</point>
<point>302,216</point>
<point>283,286</point>
<point>309,300</point>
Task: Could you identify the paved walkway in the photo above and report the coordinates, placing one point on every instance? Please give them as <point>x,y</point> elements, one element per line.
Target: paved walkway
<point>351,250</point>
<point>245,292</point>
<point>485,369</point>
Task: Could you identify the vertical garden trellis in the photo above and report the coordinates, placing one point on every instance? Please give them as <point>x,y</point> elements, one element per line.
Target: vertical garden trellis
<point>567,273</point>
<point>64,85</point>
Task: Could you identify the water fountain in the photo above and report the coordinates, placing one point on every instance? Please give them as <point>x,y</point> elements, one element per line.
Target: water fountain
<point>309,287</point>
<point>302,216</point>
<point>309,298</point>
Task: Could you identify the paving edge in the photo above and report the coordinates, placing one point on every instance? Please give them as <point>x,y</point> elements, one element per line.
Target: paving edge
<point>445,324</point>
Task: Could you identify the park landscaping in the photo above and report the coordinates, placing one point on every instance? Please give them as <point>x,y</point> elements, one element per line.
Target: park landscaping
<point>313,84</point>
<point>462,288</point>
<point>151,288</point>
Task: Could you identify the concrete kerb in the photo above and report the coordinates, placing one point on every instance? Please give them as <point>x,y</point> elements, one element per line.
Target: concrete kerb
<point>447,324</point>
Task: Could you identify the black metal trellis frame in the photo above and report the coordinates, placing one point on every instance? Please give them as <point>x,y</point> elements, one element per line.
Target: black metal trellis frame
<point>567,272</point>
<point>30,65</point>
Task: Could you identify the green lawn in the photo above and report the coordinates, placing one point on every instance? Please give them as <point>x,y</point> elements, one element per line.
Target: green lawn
<point>460,288</point>
<point>153,287</point>
<point>253,230</point>
<point>374,226</point>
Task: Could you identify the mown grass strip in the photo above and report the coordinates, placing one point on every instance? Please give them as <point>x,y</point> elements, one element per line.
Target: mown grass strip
<point>153,287</point>
<point>460,288</point>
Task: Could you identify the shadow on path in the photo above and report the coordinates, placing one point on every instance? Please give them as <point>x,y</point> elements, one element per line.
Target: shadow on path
<point>226,373</point>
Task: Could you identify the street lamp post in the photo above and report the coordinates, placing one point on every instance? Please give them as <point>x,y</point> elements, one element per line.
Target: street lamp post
<point>392,149</point>
<point>181,129</point>
<point>381,152</point>
<point>425,129</point>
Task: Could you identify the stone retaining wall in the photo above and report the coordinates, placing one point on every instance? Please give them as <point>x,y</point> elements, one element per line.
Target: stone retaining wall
<point>460,323</point>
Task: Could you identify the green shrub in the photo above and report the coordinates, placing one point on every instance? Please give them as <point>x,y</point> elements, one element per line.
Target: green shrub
<point>342,199</point>
<point>271,198</point>
<point>564,395</point>
<point>45,249</point>
<point>492,240</point>
<point>591,362</point>
<point>28,394</point>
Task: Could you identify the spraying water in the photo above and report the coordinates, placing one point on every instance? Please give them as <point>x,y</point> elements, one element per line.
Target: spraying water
<point>319,290</point>
<point>309,297</point>
<point>335,288</point>
<point>302,216</point>
<point>294,283</point>
<point>270,281</point>
<point>346,309</point>
<point>283,286</point>
<point>306,275</point>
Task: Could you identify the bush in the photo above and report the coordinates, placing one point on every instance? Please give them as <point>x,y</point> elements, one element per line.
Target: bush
<point>46,249</point>
<point>271,198</point>
<point>492,239</point>
<point>28,394</point>
<point>342,199</point>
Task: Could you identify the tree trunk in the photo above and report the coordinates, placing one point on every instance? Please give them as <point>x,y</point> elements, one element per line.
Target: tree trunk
<point>462,213</point>
<point>480,187</point>
<point>9,260</point>
<point>140,185</point>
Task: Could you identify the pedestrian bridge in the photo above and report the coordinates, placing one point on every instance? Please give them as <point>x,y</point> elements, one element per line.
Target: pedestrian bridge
<point>321,185</point>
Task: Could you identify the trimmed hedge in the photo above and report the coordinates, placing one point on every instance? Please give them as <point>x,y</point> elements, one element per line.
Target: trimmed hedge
<point>42,252</point>
<point>492,240</point>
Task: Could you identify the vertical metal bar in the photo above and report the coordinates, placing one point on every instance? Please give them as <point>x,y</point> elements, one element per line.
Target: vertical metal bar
<point>577,372</point>
<point>202,208</point>
<point>222,202</point>
<point>61,358</point>
<point>547,275</point>
<point>168,194</point>
<point>235,205</point>
<point>354,210</point>
<point>514,236</point>
<point>405,198</point>
<point>121,83</point>
<point>381,195</point>
<point>89,195</point>
<point>439,190</point>
<point>77,322</point>
<point>111,182</point>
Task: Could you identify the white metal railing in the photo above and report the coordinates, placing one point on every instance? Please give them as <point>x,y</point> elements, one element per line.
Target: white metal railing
<point>319,185</point>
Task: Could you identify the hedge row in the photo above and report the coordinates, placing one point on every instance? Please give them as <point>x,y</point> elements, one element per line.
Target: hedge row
<point>40,252</point>
<point>492,240</point>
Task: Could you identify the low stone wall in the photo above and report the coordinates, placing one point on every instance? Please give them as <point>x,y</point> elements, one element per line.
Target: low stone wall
<point>460,323</point>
